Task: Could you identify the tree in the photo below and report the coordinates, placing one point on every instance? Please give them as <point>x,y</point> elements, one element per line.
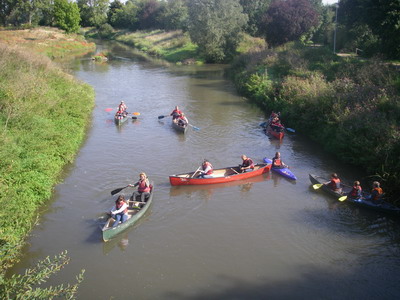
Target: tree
<point>377,20</point>
<point>215,26</point>
<point>93,12</point>
<point>288,20</point>
<point>149,12</point>
<point>66,15</point>
<point>254,9</point>
<point>112,10</point>
<point>125,17</point>
<point>175,15</point>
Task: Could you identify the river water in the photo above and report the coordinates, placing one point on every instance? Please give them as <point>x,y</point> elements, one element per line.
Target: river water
<point>265,238</point>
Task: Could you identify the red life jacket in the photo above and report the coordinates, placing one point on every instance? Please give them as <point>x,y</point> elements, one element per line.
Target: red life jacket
<point>356,192</point>
<point>205,165</point>
<point>277,162</point>
<point>335,184</point>
<point>118,205</point>
<point>142,188</point>
<point>379,193</point>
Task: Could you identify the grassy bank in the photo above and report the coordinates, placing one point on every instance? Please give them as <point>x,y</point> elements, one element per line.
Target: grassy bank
<point>44,113</point>
<point>350,106</point>
<point>51,42</point>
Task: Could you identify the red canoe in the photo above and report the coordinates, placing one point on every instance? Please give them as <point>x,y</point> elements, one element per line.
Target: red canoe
<point>275,133</point>
<point>219,175</point>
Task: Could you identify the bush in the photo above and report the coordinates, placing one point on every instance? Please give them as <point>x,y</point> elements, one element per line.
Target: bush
<point>106,31</point>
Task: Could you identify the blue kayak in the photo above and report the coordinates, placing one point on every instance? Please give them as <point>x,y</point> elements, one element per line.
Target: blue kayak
<point>285,172</point>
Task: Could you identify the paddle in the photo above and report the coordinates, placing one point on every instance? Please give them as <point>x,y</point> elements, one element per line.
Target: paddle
<point>136,113</point>
<point>342,198</point>
<point>194,127</point>
<point>195,172</point>
<point>118,190</point>
<point>109,109</point>
<point>234,171</point>
<point>162,117</point>
<point>317,186</point>
<point>290,130</point>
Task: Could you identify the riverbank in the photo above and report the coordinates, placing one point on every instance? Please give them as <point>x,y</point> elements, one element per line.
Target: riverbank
<point>348,105</point>
<point>44,116</point>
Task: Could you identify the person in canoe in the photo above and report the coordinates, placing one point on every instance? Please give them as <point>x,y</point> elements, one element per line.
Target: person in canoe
<point>376,193</point>
<point>247,164</point>
<point>176,113</point>
<point>119,212</point>
<point>206,169</point>
<point>182,120</point>
<point>334,183</point>
<point>277,161</point>
<point>356,191</point>
<point>144,188</point>
<point>122,108</point>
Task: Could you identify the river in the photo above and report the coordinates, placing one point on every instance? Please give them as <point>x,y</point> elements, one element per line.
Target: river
<point>265,238</point>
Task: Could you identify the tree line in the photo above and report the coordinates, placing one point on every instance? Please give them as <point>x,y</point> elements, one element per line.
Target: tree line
<point>365,26</point>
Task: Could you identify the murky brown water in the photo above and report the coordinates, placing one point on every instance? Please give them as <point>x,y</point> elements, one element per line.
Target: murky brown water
<point>265,238</point>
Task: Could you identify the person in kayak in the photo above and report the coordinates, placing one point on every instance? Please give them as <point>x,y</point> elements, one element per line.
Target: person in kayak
<point>376,193</point>
<point>144,188</point>
<point>356,191</point>
<point>206,169</point>
<point>176,113</point>
<point>119,212</point>
<point>277,161</point>
<point>122,108</point>
<point>247,164</point>
<point>334,183</point>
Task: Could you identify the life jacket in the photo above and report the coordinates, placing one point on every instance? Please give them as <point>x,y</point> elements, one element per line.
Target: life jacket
<point>335,184</point>
<point>122,107</point>
<point>248,163</point>
<point>207,164</point>
<point>142,188</point>
<point>118,205</point>
<point>176,113</point>
<point>356,192</point>
<point>378,193</point>
<point>277,162</point>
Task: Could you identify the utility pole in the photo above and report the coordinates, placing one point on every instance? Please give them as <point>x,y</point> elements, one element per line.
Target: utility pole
<point>334,34</point>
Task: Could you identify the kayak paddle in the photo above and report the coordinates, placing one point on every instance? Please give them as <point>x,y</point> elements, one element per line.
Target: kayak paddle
<point>118,190</point>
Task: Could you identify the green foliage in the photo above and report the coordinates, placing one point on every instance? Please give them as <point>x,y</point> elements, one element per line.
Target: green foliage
<point>106,31</point>
<point>175,15</point>
<point>66,15</point>
<point>43,117</point>
<point>351,107</point>
<point>25,286</point>
<point>215,26</point>
<point>93,12</point>
<point>125,17</point>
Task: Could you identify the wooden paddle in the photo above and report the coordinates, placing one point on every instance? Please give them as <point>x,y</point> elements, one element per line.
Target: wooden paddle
<point>118,190</point>
<point>234,171</point>
<point>342,198</point>
<point>317,186</point>
<point>195,172</point>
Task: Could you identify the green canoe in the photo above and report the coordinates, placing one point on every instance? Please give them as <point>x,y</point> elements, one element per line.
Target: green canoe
<point>134,213</point>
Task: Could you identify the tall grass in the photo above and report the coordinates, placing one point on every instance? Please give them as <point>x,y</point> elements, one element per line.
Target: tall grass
<point>352,107</point>
<point>43,116</point>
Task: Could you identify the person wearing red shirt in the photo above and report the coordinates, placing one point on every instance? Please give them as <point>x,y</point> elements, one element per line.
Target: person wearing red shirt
<point>176,113</point>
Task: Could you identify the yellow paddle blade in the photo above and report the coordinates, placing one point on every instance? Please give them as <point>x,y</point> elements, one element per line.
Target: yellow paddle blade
<point>136,113</point>
<point>317,186</point>
<point>342,198</point>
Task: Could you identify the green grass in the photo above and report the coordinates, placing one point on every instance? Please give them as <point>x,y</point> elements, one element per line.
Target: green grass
<point>43,118</point>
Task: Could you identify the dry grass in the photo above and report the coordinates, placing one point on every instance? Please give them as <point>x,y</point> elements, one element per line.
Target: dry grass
<point>46,40</point>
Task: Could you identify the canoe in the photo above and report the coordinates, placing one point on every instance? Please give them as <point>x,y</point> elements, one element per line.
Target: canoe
<point>384,207</point>
<point>285,172</point>
<point>134,214</point>
<point>278,134</point>
<point>178,127</point>
<point>120,119</point>
<point>219,175</point>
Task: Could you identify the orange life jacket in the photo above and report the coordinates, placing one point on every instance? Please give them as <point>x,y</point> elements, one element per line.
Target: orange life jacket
<point>335,184</point>
<point>378,193</point>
